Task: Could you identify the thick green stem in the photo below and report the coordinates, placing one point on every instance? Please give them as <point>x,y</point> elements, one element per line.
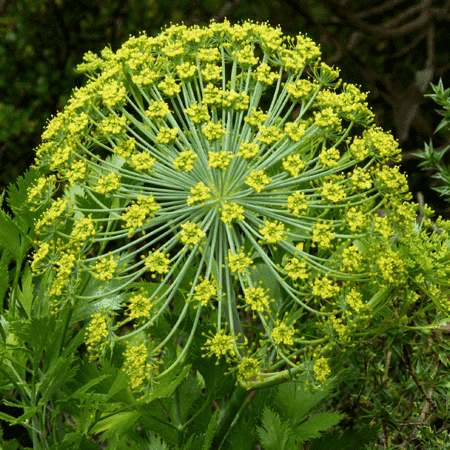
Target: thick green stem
<point>226,418</point>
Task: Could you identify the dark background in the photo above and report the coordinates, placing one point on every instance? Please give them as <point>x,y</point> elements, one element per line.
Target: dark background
<point>393,49</point>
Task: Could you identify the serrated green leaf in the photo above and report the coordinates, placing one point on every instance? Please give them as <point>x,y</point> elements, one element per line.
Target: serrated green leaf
<point>274,433</point>
<point>13,351</point>
<point>34,331</point>
<point>168,383</point>
<point>60,372</point>
<point>217,384</point>
<point>152,416</point>
<point>155,443</point>
<point>293,402</point>
<point>210,431</point>
<point>4,275</point>
<point>153,419</point>
<point>349,440</point>
<point>179,406</point>
<point>81,392</point>
<point>72,193</point>
<point>11,236</point>
<point>76,440</point>
<point>443,358</point>
<point>242,437</point>
<point>6,417</point>
<point>120,384</point>
<point>18,200</point>
<point>11,445</point>
<point>104,294</point>
<point>25,294</point>
<point>313,428</point>
<point>29,412</point>
<point>116,424</point>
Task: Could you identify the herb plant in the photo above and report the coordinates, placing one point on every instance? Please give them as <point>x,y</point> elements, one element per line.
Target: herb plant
<point>214,217</point>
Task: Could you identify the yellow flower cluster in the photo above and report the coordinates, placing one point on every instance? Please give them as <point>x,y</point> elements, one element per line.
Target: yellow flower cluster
<point>273,232</point>
<point>191,233</point>
<point>64,274</point>
<point>244,176</point>
<point>231,211</point>
<point>96,333</point>
<point>166,135</point>
<point>282,334</point>
<point>239,262</point>
<point>142,161</point>
<point>198,113</point>
<point>204,291</point>
<point>52,215</point>
<point>199,194</point>
<point>323,235</point>
<point>321,369</point>
<point>249,368</point>
<point>158,262</point>
<point>257,180</point>
<point>294,164</point>
<point>185,161</point>
<point>139,306</point>
<point>213,131</point>
<point>136,365</point>
<point>220,345</point>
<point>220,160</point>
<point>84,229</point>
<point>248,150</point>
<point>256,299</point>
<point>297,269</point>
<point>107,183</point>
<point>105,268</point>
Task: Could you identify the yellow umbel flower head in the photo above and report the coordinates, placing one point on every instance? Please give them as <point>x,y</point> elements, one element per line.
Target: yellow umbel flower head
<point>227,169</point>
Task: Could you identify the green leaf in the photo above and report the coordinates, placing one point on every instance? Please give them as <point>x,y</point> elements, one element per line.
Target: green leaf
<point>348,440</point>
<point>155,443</point>
<point>242,436</point>
<point>210,431</point>
<point>29,412</point>
<point>168,383</point>
<point>313,428</point>
<point>11,445</point>
<point>12,238</point>
<point>18,200</point>
<point>35,331</point>
<point>213,371</point>
<point>187,393</point>
<point>293,402</point>
<point>115,424</point>
<point>60,372</point>
<point>153,419</point>
<point>120,383</point>
<point>25,295</point>
<point>76,440</point>
<point>12,349</point>
<point>102,293</point>
<point>81,392</point>
<point>274,433</point>
<point>4,275</point>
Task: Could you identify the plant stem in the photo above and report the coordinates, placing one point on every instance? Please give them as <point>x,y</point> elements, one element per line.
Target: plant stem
<point>226,418</point>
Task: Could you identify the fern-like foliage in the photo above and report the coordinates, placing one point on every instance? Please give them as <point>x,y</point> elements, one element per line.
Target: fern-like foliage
<point>284,425</point>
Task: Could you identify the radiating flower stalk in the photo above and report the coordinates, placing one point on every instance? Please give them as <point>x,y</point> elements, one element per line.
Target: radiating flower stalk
<point>231,160</point>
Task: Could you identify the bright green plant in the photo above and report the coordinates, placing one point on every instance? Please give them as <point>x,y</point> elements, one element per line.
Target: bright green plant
<point>284,427</point>
<point>432,158</point>
<point>214,217</point>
